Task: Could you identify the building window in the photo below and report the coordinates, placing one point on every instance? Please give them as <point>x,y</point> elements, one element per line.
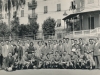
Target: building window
<point>22,13</point>
<point>45,9</point>
<point>91,22</point>
<point>59,23</point>
<point>58,7</point>
<point>90,1</point>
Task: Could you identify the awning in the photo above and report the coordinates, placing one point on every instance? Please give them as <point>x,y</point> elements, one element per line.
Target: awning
<point>84,11</point>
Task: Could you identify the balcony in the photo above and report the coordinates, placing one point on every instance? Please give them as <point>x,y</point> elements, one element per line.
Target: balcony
<point>32,5</point>
<point>85,33</point>
<point>33,16</point>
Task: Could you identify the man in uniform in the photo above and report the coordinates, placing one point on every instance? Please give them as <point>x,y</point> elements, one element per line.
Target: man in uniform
<point>57,60</point>
<point>20,51</point>
<point>25,61</point>
<point>74,59</point>
<point>96,53</point>
<point>67,46</point>
<point>60,48</point>
<point>91,47</point>
<point>34,61</point>
<point>66,61</point>
<point>16,63</point>
<point>81,46</point>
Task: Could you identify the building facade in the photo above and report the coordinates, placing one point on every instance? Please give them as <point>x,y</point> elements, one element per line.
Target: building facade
<point>87,15</point>
<point>54,9</point>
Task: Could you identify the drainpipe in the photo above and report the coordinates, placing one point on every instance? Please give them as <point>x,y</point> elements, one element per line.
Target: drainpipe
<point>90,24</point>
<point>73,25</point>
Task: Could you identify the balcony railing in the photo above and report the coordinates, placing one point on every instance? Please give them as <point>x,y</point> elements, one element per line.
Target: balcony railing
<point>91,32</point>
<point>32,16</point>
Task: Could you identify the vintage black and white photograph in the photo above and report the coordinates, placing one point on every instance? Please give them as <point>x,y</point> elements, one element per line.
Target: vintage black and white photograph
<point>49,37</point>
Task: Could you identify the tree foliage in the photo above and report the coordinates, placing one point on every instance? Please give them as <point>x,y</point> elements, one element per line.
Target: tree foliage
<point>48,26</point>
<point>3,29</point>
<point>15,3</point>
<point>34,26</point>
<point>22,30</point>
<point>15,26</point>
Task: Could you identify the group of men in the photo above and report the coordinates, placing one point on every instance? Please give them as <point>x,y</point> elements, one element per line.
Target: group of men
<point>54,54</point>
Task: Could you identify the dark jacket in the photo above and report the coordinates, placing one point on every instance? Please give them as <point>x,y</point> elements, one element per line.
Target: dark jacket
<point>9,61</point>
<point>20,51</point>
<point>31,48</point>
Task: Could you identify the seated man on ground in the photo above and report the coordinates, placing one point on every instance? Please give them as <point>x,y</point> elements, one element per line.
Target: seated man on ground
<point>88,61</point>
<point>66,61</point>
<point>16,63</point>
<point>34,61</point>
<point>9,62</point>
<point>57,60</point>
<point>25,61</point>
<point>48,61</point>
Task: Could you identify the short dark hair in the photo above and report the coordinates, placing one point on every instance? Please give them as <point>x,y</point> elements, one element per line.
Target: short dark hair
<point>80,38</point>
<point>67,38</point>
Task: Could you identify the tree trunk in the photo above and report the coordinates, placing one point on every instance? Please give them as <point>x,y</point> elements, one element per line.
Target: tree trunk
<point>33,13</point>
<point>9,24</point>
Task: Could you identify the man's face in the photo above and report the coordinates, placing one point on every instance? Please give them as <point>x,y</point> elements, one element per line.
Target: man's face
<point>16,54</point>
<point>23,43</point>
<point>12,42</point>
<point>80,40</point>
<point>10,54</point>
<point>85,54</point>
<point>75,41</point>
<point>18,43</point>
<point>33,53</point>
<point>39,43</point>
<point>28,41</point>
<point>64,40</point>
<point>90,41</point>
<point>2,43</point>
<point>55,42</point>
<point>31,44</point>
<point>26,53</point>
<point>67,40</point>
<point>72,41</point>
<point>60,42</point>
<point>48,55</point>
<point>42,42</point>
<point>7,42</point>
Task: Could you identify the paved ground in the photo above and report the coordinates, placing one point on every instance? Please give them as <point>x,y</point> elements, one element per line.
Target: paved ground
<point>52,72</point>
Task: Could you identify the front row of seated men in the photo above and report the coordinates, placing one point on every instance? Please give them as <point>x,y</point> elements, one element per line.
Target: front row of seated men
<point>56,61</point>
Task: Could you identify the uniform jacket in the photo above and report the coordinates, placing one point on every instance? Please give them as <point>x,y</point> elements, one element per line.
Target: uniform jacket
<point>67,47</point>
<point>60,49</point>
<point>20,51</point>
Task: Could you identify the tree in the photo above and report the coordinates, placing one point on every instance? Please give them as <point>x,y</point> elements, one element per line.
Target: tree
<point>15,26</point>
<point>3,29</point>
<point>48,27</point>
<point>23,30</point>
<point>33,28</point>
<point>11,4</point>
